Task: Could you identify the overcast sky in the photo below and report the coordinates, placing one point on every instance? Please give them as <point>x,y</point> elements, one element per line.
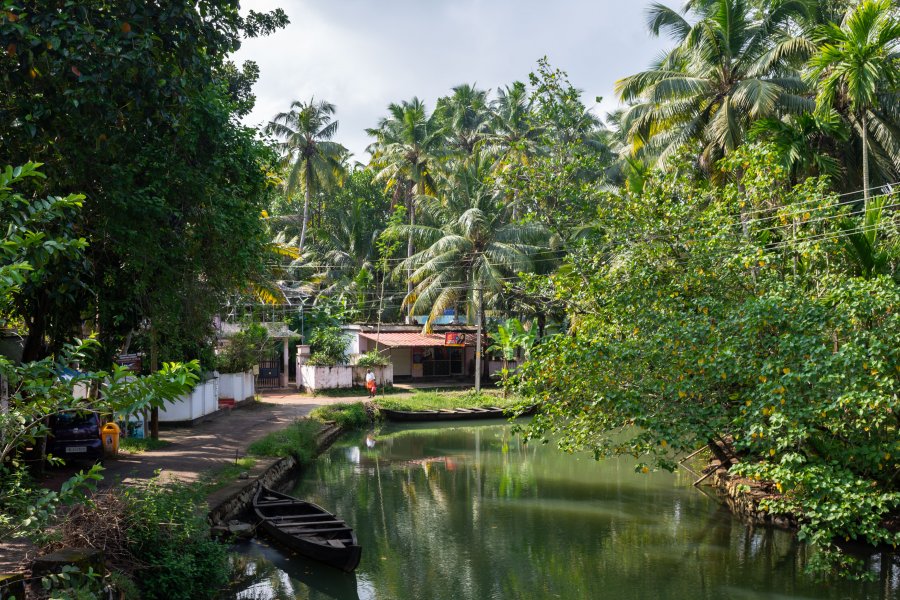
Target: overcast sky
<point>362,55</point>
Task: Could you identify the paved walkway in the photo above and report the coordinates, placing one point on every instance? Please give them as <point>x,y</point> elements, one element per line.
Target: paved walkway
<point>193,450</point>
<point>216,441</point>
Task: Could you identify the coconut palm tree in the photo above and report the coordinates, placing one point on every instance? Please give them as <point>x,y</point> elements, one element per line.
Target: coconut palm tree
<point>312,161</point>
<point>730,67</point>
<point>466,116</point>
<point>408,145</point>
<point>470,249</point>
<point>856,66</point>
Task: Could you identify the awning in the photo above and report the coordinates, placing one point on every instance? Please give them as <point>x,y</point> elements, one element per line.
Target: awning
<point>407,340</point>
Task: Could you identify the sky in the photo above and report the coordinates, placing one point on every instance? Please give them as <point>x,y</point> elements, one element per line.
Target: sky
<point>361,55</point>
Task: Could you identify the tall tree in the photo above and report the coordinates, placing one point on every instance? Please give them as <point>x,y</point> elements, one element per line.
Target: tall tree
<point>408,145</point>
<point>856,64</point>
<point>730,66</point>
<point>471,247</point>
<point>466,117</point>
<point>311,159</point>
<point>134,105</point>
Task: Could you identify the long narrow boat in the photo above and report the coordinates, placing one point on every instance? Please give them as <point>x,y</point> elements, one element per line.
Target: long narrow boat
<point>306,528</point>
<point>454,414</point>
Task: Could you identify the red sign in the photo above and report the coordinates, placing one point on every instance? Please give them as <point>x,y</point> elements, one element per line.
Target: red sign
<point>454,338</point>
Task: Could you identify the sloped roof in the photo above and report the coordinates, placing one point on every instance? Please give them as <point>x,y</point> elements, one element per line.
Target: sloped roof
<point>406,339</point>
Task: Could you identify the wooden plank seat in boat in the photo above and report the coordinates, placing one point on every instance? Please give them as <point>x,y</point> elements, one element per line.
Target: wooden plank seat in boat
<point>312,531</point>
<point>306,523</point>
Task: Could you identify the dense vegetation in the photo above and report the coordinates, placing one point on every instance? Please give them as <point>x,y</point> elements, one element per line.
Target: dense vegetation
<point>717,261</point>
<point>720,258</point>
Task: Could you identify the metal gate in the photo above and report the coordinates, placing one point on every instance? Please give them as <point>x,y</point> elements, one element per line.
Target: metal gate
<point>269,373</point>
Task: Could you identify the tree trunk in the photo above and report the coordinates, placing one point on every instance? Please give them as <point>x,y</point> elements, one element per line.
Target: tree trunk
<point>865,157</point>
<point>306,196</point>
<point>154,365</point>
<point>33,349</point>
<point>409,253</point>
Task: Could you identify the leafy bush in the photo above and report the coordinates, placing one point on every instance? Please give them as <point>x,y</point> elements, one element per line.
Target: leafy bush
<point>373,358</point>
<point>243,350</point>
<point>328,347</point>
<point>348,416</point>
<point>297,440</point>
<point>170,536</point>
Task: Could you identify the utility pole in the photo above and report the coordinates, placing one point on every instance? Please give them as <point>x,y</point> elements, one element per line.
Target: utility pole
<point>478,311</point>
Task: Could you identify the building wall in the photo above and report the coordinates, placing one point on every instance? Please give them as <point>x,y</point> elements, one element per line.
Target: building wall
<point>401,358</point>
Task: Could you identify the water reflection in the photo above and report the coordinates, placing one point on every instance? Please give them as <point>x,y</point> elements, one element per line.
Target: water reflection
<point>471,512</point>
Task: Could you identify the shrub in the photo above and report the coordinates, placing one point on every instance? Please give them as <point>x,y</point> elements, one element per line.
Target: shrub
<point>328,347</point>
<point>243,350</point>
<point>373,358</point>
<point>348,416</point>
<point>168,533</point>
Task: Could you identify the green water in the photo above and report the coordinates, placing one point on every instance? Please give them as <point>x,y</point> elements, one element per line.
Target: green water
<point>470,512</point>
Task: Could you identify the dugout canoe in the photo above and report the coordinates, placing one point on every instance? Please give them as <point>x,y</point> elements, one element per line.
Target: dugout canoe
<point>454,414</point>
<point>307,529</point>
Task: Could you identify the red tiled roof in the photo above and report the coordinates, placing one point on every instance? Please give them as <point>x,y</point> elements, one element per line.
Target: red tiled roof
<point>394,340</point>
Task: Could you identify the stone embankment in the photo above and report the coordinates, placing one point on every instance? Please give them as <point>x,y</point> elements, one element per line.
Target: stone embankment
<point>233,501</point>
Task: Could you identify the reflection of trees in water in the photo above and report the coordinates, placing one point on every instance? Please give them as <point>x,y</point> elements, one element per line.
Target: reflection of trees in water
<point>257,579</point>
<point>471,512</point>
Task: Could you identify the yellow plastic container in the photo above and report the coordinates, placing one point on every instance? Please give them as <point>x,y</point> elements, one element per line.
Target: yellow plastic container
<point>110,434</point>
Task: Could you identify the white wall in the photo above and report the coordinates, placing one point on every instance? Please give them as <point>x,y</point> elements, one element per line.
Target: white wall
<point>203,400</point>
<point>314,378</point>
<point>237,386</point>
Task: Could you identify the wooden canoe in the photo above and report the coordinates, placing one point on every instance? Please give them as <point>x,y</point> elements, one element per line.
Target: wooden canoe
<point>455,414</point>
<point>307,529</point>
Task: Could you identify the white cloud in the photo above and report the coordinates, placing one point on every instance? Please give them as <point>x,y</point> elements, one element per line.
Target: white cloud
<point>363,54</point>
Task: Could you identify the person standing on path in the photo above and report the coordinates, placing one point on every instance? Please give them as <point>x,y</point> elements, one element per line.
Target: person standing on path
<point>370,383</point>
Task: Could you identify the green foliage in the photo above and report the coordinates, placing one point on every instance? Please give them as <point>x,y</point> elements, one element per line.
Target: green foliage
<point>373,358</point>
<point>297,440</point>
<point>328,347</point>
<point>692,321</point>
<point>27,509</point>
<point>134,105</point>
<point>72,584</point>
<point>348,416</point>
<point>243,350</point>
<point>169,533</point>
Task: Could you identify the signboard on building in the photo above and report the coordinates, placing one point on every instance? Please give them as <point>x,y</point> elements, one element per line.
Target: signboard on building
<point>454,338</point>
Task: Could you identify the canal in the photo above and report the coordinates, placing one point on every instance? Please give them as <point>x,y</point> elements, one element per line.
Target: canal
<point>470,512</point>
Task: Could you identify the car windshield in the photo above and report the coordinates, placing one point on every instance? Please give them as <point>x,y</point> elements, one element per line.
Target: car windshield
<point>74,419</point>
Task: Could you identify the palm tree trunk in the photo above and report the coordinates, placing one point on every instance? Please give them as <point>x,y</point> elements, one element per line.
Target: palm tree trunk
<point>305,213</point>
<point>409,253</point>
<point>865,157</point>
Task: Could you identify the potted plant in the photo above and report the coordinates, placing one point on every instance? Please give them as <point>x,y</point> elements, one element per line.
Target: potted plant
<point>326,367</point>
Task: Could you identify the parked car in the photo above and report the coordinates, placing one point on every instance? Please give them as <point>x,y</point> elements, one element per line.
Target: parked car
<point>76,436</point>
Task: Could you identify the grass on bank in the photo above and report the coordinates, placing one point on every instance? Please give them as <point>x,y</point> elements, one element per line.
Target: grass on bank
<point>348,416</point>
<point>447,400</point>
<point>298,440</point>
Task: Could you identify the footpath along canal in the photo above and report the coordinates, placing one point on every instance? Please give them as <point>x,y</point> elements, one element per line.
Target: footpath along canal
<point>467,511</point>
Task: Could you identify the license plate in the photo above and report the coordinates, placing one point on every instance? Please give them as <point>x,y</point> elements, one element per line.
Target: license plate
<point>76,449</point>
